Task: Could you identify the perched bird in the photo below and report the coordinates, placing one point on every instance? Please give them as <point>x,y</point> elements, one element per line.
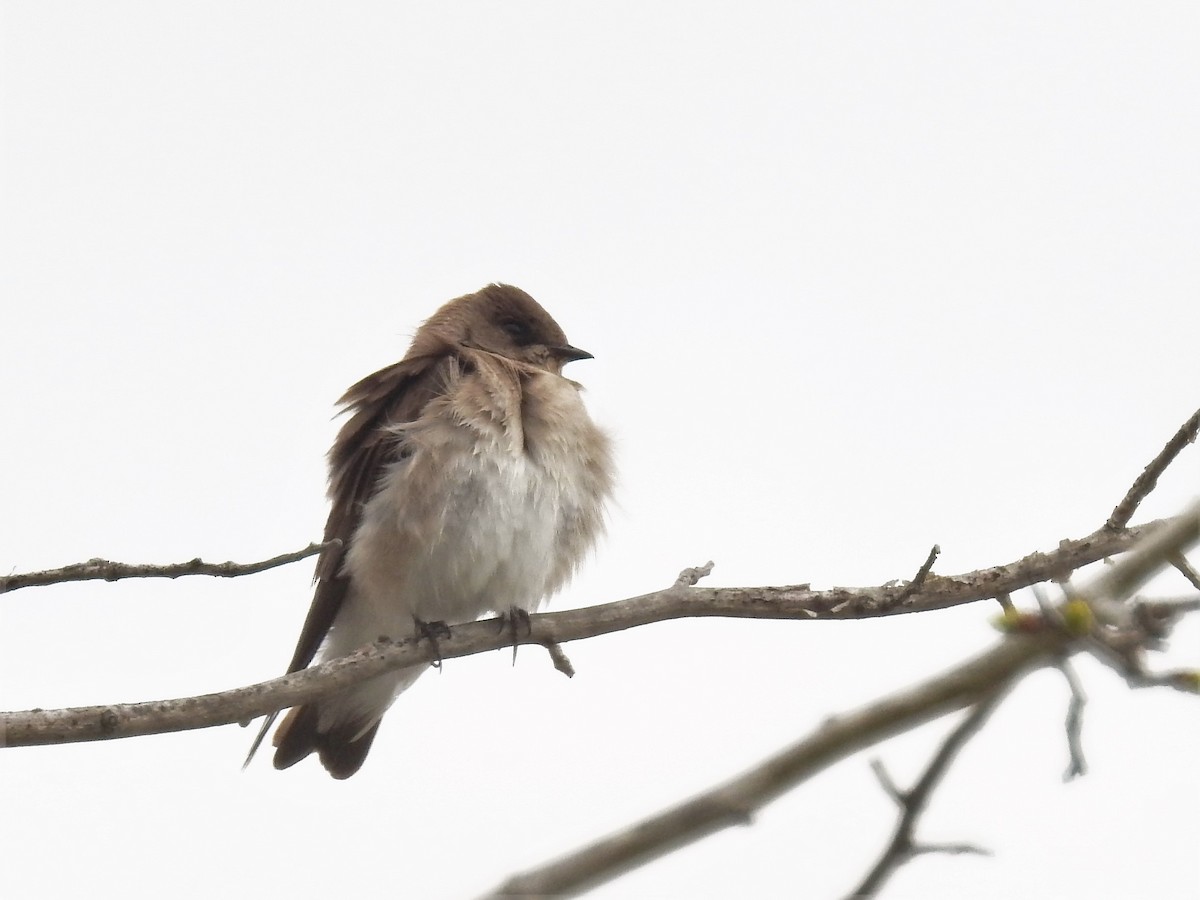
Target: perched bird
<point>468,479</point>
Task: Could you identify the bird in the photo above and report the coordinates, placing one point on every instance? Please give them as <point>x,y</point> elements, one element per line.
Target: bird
<point>468,478</point>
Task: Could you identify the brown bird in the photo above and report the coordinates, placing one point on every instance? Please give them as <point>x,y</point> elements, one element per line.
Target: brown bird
<point>468,479</point>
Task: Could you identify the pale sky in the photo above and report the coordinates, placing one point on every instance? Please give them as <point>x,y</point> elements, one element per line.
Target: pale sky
<point>858,278</point>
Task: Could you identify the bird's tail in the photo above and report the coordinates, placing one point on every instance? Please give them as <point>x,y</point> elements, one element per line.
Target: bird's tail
<point>341,748</point>
<point>338,728</point>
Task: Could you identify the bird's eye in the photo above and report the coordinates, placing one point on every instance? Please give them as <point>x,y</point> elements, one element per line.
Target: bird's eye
<point>519,331</point>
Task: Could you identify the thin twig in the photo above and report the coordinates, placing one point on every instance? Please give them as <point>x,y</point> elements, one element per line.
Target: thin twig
<point>1170,607</point>
<point>903,845</point>
<point>107,570</point>
<point>1186,570</point>
<point>1158,617</point>
<point>691,577</point>
<point>922,573</point>
<point>887,782</point>
<point>1146,482</point>
<point>1077,766</point>
<point>1045,606</point>
<point>559,658</point>
<point>951,849</point>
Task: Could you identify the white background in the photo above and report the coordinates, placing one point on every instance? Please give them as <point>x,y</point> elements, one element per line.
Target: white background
<point>858,278</point>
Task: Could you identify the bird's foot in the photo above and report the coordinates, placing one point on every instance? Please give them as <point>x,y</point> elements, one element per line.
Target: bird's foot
<point>514,621</point>
<point>432,632</point>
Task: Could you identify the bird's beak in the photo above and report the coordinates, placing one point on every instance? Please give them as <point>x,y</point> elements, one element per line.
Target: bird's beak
<point>566,353</point>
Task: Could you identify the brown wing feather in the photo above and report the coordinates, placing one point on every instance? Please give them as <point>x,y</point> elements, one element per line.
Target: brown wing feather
<point>364,446</point>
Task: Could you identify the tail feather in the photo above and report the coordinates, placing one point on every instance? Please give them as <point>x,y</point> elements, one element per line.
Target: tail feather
<point>339,728</point>
<point>342,749</point>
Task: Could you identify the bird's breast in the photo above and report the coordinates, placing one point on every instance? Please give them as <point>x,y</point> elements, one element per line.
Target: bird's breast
<point>470,520</point>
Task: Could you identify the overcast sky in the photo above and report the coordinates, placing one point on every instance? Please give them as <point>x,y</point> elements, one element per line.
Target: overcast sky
<point>859,278</point>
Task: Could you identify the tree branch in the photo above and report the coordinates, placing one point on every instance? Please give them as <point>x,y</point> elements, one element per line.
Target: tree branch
<point>735,801</point>
<point>1187,571</point>
<point>1146,482</point>
<point>681,600</point>
<point>1077,763</point>
<point>903,845</point>
<point>107,570</point>
<point>922,573</point>
<point>1115,584</point>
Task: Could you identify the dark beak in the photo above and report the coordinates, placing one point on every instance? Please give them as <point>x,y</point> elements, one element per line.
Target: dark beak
<point>567,353</point>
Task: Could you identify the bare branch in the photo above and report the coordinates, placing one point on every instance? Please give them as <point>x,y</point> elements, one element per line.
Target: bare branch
<point>107,570</point>
<point>952,849</point>
<point>922,573</point>
<point>1185,569</point>
<point>1169,607</point>
<point>1116,584</point>
<point>733,802</point>
<point>559,658</point>
<point>903,846</point>
<point>887,782</point>
<point>691,577</point>
<point>937,591</point>
<point>1185,680</point>
<point>1146,482</point>
<point>787,602</point>
<point>121,720</point>
<point>1074,724</point>
<point>1122,653</point>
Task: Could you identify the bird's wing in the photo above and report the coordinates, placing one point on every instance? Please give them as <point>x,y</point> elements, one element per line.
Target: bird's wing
<point>357,461</point>
<point>363,448</point>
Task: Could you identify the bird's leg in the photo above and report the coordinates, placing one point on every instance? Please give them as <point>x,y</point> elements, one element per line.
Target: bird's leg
<point>432,631</point>
<point>514,620</point>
